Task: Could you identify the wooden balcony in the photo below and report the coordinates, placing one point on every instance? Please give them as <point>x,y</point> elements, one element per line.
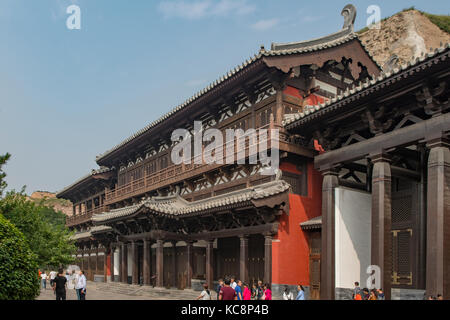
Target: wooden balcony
<point>170,175</point>
<point>84,216</point>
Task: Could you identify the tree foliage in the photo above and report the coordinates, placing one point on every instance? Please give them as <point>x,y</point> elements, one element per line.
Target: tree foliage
<point>43,228</point>
<point>18,267</point>
<point>3,160</point>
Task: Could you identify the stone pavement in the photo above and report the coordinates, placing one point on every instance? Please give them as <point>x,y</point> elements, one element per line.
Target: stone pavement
<point>119,291</point>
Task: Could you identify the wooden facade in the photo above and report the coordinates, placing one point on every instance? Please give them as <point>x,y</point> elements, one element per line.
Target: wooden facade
<point>169,224</point>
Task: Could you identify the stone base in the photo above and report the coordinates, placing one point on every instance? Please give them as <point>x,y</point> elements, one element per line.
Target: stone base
<point>407,294</point>
<point>99,278</point>
<point>343,294</point>
<point>278,290</point>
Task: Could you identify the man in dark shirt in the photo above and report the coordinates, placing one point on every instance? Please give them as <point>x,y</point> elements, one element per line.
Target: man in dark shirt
<point>227,292</point>
<point>60,285</point>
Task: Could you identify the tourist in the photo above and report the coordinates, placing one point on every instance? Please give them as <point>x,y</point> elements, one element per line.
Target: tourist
<point>247,293</point>
<point>227,293</point>
<point>60,285</point>
<point>238,290</point>
<point>254,291</point>
<point>287,294</point>
<point>267,292</point>
<point>219,287</point>
<point>233,283</point>
<point>356,291</point>
<point>44,280</point>
<point>301,293</point>
<point>373,295</point>
<point>206,294</point>
<point>365,295</point>
<point>81,286</point>
<point>440,297</point>
<point>380,294</point>
<point>260,290</point>
<point>75,277</point>
<point>52,277</point>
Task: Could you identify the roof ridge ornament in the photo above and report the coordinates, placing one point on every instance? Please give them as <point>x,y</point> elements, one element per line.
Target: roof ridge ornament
<point>349,14</point>
<point>346,33</point>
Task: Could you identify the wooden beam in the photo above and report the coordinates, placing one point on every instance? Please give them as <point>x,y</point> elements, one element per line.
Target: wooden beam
<point>402,137</point>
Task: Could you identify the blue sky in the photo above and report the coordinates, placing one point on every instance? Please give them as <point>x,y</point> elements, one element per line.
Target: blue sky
<point>69,95</point>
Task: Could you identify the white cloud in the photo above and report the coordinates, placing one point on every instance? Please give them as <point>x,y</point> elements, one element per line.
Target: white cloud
<point>265,24</point>
<point>201,8</point>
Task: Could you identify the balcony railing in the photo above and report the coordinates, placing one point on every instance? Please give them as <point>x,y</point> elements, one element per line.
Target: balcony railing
<point>175,173</point>
<point>84,216</point>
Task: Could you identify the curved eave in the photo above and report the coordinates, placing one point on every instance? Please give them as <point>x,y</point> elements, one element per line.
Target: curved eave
<point>368,88</point>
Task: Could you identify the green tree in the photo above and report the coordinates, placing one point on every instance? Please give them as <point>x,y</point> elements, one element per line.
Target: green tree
<point>46,235</point>
<point>3,160</point>
<point>18,267</point>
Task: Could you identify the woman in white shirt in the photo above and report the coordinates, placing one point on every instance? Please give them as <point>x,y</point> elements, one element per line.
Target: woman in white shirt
<point>287,294</point>
<point>81,286</point>
<point>206,294</point>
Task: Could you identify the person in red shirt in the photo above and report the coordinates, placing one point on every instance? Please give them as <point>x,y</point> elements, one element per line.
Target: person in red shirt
<point>227,292</point>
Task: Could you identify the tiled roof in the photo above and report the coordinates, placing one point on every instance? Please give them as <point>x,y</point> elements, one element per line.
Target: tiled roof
<point>177,206</point>
<point>292,120</point>
<point>82,179</point>
<point>323,43</point>
<point>81,235</point>
<point>313,223</point>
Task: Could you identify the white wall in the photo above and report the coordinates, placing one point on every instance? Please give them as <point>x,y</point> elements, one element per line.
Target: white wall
<point>352,236</point>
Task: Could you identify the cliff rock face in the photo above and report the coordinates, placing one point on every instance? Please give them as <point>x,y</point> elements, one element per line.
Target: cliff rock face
<point>407,34</point>
<point>50,200</point>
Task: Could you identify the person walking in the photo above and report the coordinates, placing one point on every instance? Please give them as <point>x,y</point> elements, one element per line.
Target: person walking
<point>356,291</point>
<point>81,286</point>
<point>247,295</point>
<point>238,290</point>
<point>52,277</point>
<point>254,291</point>
<point>260,290</point>
<point>233,283</point>
<point>206,294</point>
<point>219,287</point>
<point>301,293</point>
<point>373,295</point>
<point>44,280</point>
<point>75,277</point>
<point>227,293</point>
<point>380,294</point>
<point>60,285</point>
<point>267,292</point>
<point>287,294</point>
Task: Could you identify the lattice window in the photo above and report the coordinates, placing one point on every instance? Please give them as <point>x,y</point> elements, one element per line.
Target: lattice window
<point>401,209</point>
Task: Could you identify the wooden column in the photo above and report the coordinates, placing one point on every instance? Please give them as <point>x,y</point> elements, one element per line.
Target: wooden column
<point>135,263</point>
<point>381,242</point>
<point>268,258</point>
<point>124,264</point>
<point>327,263</point>
<point>160,263</point>
<point>438,219</point>
<point>147,262</point>
<point>113,249</point>
<point>243,259</point>
<point>190,263</point>
<point>105,263</point>
<point>96,262</point>
<point>209,263</point>
<point>174,281</point>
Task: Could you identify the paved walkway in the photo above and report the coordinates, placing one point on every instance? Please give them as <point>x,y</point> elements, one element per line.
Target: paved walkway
<point>118,291</point>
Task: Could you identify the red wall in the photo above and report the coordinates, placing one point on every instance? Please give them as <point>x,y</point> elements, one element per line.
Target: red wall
<point>290,251</point>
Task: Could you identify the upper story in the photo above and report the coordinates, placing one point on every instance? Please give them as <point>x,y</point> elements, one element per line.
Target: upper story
<point>257,94</point>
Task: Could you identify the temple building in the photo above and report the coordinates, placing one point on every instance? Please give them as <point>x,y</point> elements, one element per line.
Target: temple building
<point>363,180</point>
